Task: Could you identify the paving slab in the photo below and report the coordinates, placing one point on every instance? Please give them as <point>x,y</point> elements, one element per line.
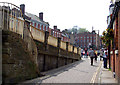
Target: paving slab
<point>106,76</point>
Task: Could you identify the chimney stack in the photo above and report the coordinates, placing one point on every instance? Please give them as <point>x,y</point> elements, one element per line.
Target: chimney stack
<point>41,16</point>
<point>55,27</point>
<point>22,7</point>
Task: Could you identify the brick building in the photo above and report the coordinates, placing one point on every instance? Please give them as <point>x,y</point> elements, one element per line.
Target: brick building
<point>86,39</point>
<point>57,33</point>
<point>36,21</point>
<point>39,23</point>
<point>114,23</point>
<point>65,36</point>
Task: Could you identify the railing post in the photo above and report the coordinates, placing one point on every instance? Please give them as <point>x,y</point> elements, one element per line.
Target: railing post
<point>67,46</point>
<point>73,52</point>
<point>66,60</point>
<point>46,40</point>
<point>73,49</point>
<point>46,49</point>
<point>58,46</point>
<point>1,17</point>
<point>77,50</point>
<point>59,41</point>
<point>5,17</point>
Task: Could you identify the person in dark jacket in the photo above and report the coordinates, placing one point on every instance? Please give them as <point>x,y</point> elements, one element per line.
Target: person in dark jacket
<point>86,52</point>
<point>92,55</point>
<point>95,56</point>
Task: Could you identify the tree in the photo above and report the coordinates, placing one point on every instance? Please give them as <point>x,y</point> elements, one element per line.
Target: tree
<point>81,30</point>
<point>76,29</point>
<point>107,36</point>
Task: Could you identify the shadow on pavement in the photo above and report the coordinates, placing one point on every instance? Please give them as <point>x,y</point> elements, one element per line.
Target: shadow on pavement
<point>95,65</point>
<point>60,70</point>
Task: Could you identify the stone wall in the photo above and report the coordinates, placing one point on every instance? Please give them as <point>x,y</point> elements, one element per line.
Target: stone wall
<point>27,51</point>
<point>17,61</point>
<point>50,57</point>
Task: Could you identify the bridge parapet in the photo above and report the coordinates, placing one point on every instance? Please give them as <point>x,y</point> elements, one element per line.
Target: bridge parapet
<point>48,51</point>
<point>11,18</point>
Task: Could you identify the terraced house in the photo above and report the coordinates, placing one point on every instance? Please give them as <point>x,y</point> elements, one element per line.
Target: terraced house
<point>114,24</point>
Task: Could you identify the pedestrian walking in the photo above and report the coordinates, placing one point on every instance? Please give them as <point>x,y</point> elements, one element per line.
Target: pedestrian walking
<point>92,55</point>
<point>95,56</point>
<point>105,59</point>
<point>81,52</point>
<point>101,54</point>
<point>86,52</point>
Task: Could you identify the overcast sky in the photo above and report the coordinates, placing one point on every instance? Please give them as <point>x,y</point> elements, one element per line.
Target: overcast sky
<point>68,13</point>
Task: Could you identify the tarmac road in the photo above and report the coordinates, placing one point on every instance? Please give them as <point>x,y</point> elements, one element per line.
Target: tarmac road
<point>79,72</point>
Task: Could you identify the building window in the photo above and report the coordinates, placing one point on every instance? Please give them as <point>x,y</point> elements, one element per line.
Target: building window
<point>81,37</point>
<point>84,40</point>
<point>35,24</point>
<point>53,33</point>
<point>87,40</point>
<point>38,25</point>
<point>16,24</point>
<point>32,23</point>
<point>43,27</point>
<point>57,34</point>
<point>87,37</point>
<point>46,28</point>
<point>62,38</point>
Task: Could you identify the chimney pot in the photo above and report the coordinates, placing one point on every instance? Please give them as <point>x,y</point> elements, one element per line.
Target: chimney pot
<point>22,7</point>
<point>41,16</point>
<point>55,27</point>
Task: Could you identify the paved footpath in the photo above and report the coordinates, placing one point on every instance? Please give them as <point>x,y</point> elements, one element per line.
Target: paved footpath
<point>80,72</point>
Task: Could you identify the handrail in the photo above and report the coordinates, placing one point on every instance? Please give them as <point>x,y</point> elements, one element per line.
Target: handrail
<point>13,5</point>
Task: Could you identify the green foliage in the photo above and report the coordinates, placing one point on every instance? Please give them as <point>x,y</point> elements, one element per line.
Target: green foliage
<point>81,30</point>
<point>109,69</point>
<point>107,36</point>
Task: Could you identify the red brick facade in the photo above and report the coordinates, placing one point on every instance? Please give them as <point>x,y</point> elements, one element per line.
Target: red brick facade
<point>115,59</point>
<point>57,33</point>
<point>118,45</point>
<point>84,39</point>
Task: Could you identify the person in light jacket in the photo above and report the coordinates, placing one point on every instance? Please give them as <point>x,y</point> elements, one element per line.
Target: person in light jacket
<point>92,55</point>
<point>101,54</point>
<point>105,59</point>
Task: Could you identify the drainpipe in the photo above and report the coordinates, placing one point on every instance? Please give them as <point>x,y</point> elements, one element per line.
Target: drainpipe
<point>109,55</point>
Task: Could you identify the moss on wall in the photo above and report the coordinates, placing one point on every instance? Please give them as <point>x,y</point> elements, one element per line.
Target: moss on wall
<point>18,64</point>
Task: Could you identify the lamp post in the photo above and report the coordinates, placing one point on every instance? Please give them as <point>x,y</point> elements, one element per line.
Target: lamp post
<point>92,37</point>
<point>97,38</point>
